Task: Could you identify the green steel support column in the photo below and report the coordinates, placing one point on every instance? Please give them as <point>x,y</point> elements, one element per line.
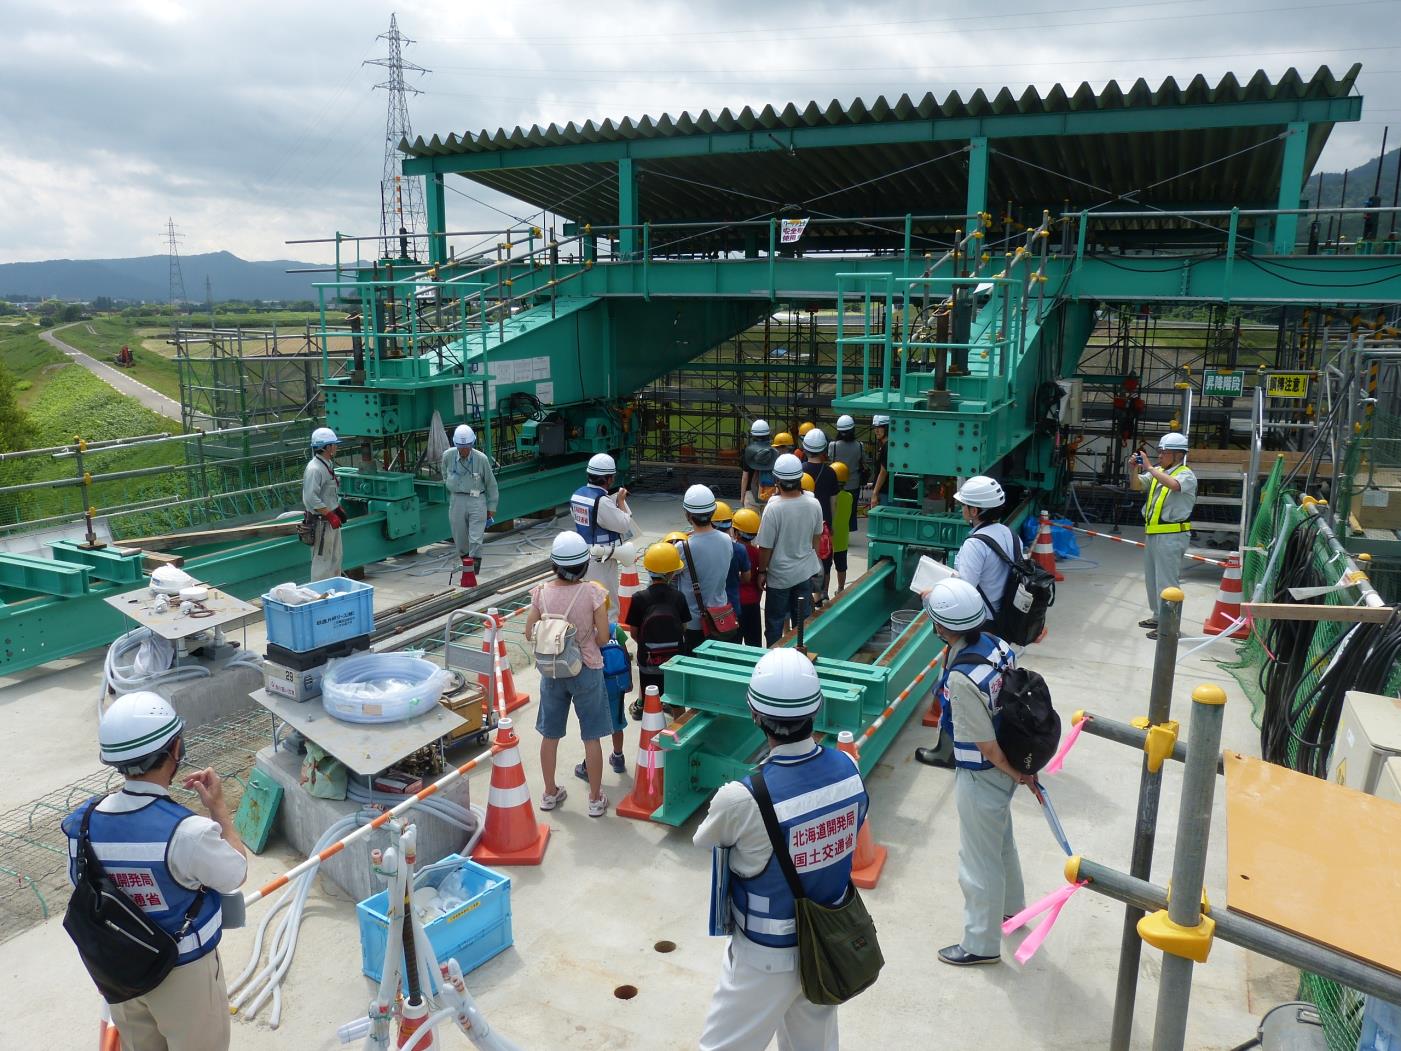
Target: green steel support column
<point>977,180</point>
<point>433,197</point>
<point>627,208</point>
<point>1291,185</point>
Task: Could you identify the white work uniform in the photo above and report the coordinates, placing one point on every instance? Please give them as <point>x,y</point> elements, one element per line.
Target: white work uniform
<point>471,486</point>
<point>320,488</point>
<point>605,572</point>
<point>189,1011</point>
<point>759,993</point>
<point>983,569</point>
<point>989,869</point>
<point>1162,552</point>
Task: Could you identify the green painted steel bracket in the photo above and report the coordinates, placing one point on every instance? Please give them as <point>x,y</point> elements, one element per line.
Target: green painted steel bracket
<point>44,576</point>
<point>119,565</point>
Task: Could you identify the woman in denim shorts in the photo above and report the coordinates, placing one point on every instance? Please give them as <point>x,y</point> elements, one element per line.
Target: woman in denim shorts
<point>585,605</point>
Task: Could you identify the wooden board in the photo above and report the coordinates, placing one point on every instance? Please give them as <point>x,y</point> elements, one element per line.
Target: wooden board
<point>1314,858</point>
<point>1312,611</point>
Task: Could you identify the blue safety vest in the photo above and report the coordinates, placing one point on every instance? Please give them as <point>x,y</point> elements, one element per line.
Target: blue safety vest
<point>988,679</point>
<point>820,802</point>
<point>584,507</point>
<point>132,848</point>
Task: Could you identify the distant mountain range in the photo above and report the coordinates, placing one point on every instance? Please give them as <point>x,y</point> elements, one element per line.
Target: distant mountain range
<point>148,278</point>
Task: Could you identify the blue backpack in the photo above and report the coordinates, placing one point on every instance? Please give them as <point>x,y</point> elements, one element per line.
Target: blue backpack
<point>617,668</point>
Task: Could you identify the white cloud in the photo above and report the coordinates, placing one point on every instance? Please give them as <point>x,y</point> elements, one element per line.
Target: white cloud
<point>254,123</point>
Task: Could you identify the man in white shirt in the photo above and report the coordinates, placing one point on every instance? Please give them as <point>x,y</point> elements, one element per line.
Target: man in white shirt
<point>172,864</point>
<point>604,520</point>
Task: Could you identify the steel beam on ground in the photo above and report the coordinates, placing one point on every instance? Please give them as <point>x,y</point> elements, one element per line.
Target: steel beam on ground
<point>43,576</point>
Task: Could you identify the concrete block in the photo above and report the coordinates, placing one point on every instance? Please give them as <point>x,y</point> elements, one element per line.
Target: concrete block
<point>302,819</point>
<point>203,701</point>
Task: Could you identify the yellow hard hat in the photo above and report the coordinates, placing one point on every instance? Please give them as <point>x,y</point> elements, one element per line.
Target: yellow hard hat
<point>808,484</point>
<point>783,438</point>
<point>803,428</point>
<point>841,471</point>
<point>747,521</point>
<point>661,559</point>
<point>723,514</point>
<point>674,536</point>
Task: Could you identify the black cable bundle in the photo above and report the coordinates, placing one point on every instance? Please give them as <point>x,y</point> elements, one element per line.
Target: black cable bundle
<point>1360,658</point>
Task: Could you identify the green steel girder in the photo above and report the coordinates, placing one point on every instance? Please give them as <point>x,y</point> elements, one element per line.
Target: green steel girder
<point>718,741</point>
<point>115,564</point>
<point>44,576</point>
<point>953,129</point>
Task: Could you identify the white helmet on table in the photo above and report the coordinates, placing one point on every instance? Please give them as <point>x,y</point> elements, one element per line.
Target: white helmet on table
<point>759,429</point>
<point>464,435</point>
<point>845,423</point>
<point>136,729</point>
<point>569,550</point>
<point>955,604</point>
<point>602,465</point>
<point>699,500</point>
<point>815,441</point>
<point>322,437</point>
<point>880,420</point>
<point>784,685</point>
<point>1173,441</point>
<point>981,491</point>
<point>788,468</point>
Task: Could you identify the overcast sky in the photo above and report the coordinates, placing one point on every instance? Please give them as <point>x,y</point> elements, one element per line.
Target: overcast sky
<point>253,122</point>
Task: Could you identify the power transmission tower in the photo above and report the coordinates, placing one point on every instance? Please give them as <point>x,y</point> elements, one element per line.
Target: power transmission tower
<point>401,209</point>
<point>177,279</point>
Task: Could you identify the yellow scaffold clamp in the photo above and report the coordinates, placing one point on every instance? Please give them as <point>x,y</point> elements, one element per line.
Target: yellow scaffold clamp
<point>1159,743</point>
<point>1191,943</point>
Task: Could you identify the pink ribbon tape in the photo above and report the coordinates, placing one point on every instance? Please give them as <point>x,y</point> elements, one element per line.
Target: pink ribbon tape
<point>1055,765</point>
<point>1051,905</point>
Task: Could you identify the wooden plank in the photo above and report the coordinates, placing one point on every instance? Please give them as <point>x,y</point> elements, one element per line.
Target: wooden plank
<point>1314,859</point>
<point>260,530</point>
<point>1310,611</point>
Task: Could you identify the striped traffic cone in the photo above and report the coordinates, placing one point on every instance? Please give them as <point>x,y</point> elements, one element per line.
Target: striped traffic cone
<point>108,1039</point>
<point>509,698</point>
<point>1042,552</point>
<point>646,795</point>
<point>935,712</point>
<point>510,835</point>
<point>628,586</point>
<point>1227,609</point>
<point>870,858</point>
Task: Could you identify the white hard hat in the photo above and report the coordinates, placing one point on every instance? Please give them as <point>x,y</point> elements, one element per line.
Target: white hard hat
<point>137,726</point>
<point>845,423</point>
<point>170,580</point>
<point>955,604</point>
<point>464,435</point>
<point>981,491</point>
<point>1174,441</point>
<point>699,500</point>
<point>322,437</point>
<point>784,685</point>
<point>815,441</point>
<point>602,464</point>
<point>759,429</point>
<point>788,468</point>
<point>569,550</point>
<point>880,420</point>
<point>626,553</point>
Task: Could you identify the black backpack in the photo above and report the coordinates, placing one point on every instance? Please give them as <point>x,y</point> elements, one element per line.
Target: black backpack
<point>1029,729</point>
<point>659,635</point>
<point>1030,591</point>
<point>125,953</point>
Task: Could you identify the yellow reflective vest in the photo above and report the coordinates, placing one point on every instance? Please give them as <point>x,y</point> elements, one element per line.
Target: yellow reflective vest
<point>1153,509</point>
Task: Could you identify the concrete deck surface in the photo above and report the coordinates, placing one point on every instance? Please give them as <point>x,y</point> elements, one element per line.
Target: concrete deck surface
<point>587,920</point>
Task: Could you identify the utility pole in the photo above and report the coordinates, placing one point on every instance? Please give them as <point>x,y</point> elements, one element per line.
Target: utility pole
<point>177,279</point>
<point>209,302</point>
<point>402,210</point>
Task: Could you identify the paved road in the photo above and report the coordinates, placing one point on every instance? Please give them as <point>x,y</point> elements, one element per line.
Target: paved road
<point>115,377</point>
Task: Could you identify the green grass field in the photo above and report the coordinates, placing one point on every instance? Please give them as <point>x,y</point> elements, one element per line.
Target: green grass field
<point>104,336</point>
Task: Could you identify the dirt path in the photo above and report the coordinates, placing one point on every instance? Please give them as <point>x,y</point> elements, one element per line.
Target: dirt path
<point>114,377</point>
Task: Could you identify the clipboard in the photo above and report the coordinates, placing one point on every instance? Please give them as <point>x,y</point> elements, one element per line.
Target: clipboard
<point>722,921</point>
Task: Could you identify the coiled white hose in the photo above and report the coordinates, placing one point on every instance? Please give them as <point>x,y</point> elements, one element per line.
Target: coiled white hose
<point>381,687</point>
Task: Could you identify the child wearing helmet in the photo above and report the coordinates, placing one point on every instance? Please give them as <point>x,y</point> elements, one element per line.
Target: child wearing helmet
<point>751,625</point>
<point>657,619</point>
<point>740,566</point>
<point>843,522</point>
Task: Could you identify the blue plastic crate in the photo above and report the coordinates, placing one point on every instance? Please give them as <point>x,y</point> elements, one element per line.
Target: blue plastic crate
<point>321,623</point>
<point>471,934</point>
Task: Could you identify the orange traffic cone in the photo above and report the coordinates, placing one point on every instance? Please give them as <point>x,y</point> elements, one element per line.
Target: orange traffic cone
<point>1042,552</point>
<point>108,1039</point>
<point>509,696</point>
<point>646,795</point>
<point>1227,609</point>
<point>628,586</point>
<point>935,712</point>
<point>870,858</point>
<point>510,835</point>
